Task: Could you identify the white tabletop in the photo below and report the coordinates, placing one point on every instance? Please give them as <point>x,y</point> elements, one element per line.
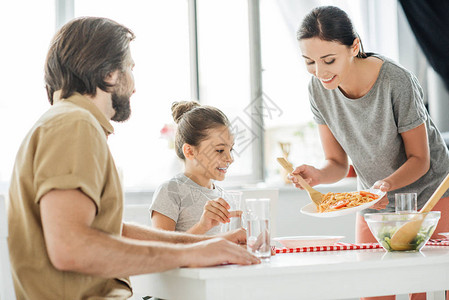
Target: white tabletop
<point>314,275</point>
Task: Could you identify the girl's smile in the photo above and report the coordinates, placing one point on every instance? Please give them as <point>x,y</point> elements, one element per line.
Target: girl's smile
<point>224,169</point>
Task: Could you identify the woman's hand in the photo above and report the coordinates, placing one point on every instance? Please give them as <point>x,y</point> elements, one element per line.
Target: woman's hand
<point>384,186</point>
<point>309,173</point>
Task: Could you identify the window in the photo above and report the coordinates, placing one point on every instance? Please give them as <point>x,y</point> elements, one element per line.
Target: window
<point>225,65</point>
<point>285,82</point>
<point>26,37</point>
<point>224,75</point>
<point>161,54</point>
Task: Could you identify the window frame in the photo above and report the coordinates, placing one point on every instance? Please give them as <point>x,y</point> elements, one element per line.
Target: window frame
<point>65,11</point>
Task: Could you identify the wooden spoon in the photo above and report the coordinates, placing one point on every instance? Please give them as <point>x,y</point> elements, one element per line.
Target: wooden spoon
<point>406,233</point>
<point>313,194</point>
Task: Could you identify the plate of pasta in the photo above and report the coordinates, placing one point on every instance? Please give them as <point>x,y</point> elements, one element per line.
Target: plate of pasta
<point>340,204</point>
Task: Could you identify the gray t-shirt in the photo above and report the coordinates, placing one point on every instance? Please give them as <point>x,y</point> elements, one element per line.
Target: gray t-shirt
<point>369,129</point>
<point>183,200</point>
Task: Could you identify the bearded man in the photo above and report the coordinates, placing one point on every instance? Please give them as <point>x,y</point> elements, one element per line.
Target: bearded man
<point>66,235</point>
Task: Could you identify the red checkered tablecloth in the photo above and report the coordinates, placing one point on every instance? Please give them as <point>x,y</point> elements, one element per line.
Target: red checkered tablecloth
<point>437,242</point>
<point>349,246</point>
<point>336,246</point>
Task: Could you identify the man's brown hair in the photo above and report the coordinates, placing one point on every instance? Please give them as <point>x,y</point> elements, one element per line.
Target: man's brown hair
<point>83,53</point>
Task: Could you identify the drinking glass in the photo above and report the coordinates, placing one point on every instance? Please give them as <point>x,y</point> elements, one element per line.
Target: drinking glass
<point>258,227</point>
<point>234,199</point>
<point>405,202</point>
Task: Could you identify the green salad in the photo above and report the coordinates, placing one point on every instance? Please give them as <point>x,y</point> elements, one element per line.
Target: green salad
<point>384,236</point>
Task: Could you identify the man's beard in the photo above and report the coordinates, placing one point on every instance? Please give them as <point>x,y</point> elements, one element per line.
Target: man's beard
<point>122,107</point>
<point>121,100</point>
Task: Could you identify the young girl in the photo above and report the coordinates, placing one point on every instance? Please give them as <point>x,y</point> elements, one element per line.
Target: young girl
<point>370,109</point>
<point>191,201</point>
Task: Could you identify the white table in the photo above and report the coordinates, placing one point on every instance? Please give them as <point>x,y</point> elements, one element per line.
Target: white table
<point>313,275</point>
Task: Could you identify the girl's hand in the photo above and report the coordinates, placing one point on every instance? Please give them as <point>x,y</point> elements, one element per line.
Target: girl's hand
<point>384,186</point>
<point>309,173</point>
<point>215,212</point>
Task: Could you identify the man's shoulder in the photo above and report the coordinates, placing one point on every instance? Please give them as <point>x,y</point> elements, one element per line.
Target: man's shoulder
<point>66,114</point>
<point>72,112</point>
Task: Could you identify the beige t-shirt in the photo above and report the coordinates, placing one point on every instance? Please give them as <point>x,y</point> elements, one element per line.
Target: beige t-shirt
<point>66,149</point>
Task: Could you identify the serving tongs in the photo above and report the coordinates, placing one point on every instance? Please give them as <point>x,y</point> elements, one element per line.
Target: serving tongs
<point>314,195</point>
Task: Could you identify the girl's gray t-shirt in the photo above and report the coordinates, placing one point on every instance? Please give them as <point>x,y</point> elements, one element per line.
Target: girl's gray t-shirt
<point>183,200</point>
<point>369,129</point>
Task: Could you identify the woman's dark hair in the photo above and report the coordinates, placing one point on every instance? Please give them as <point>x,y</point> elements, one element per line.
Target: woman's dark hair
<point>83,53</point>
<point>329,23</point>
<point>194,120</point>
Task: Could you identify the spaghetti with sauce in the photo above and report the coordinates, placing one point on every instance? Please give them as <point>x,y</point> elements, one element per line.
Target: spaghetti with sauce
<point>339,201</point>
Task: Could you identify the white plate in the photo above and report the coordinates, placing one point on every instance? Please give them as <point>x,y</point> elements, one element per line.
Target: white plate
<point>308,241</point>
<point>311,209</point>
<point>445,234</point>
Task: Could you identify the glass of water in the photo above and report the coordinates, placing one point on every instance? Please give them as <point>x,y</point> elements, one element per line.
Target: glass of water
<point>234,199</point>
<point>405,202</point>
<point>258,227</point>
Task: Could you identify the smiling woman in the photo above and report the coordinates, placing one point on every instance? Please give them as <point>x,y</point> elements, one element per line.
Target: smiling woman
<point>347,87</point>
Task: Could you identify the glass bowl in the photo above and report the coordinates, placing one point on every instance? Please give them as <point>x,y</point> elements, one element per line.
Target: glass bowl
<point>384,225</point>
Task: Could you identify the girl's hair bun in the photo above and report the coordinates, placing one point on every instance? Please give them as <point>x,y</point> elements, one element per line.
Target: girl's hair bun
<point>194,121</point>
<point>178,109</point>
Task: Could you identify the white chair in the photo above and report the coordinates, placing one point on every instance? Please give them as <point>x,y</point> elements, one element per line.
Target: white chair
<point>140,215</point>
<point>137,213</point>
<point>6,285</point>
